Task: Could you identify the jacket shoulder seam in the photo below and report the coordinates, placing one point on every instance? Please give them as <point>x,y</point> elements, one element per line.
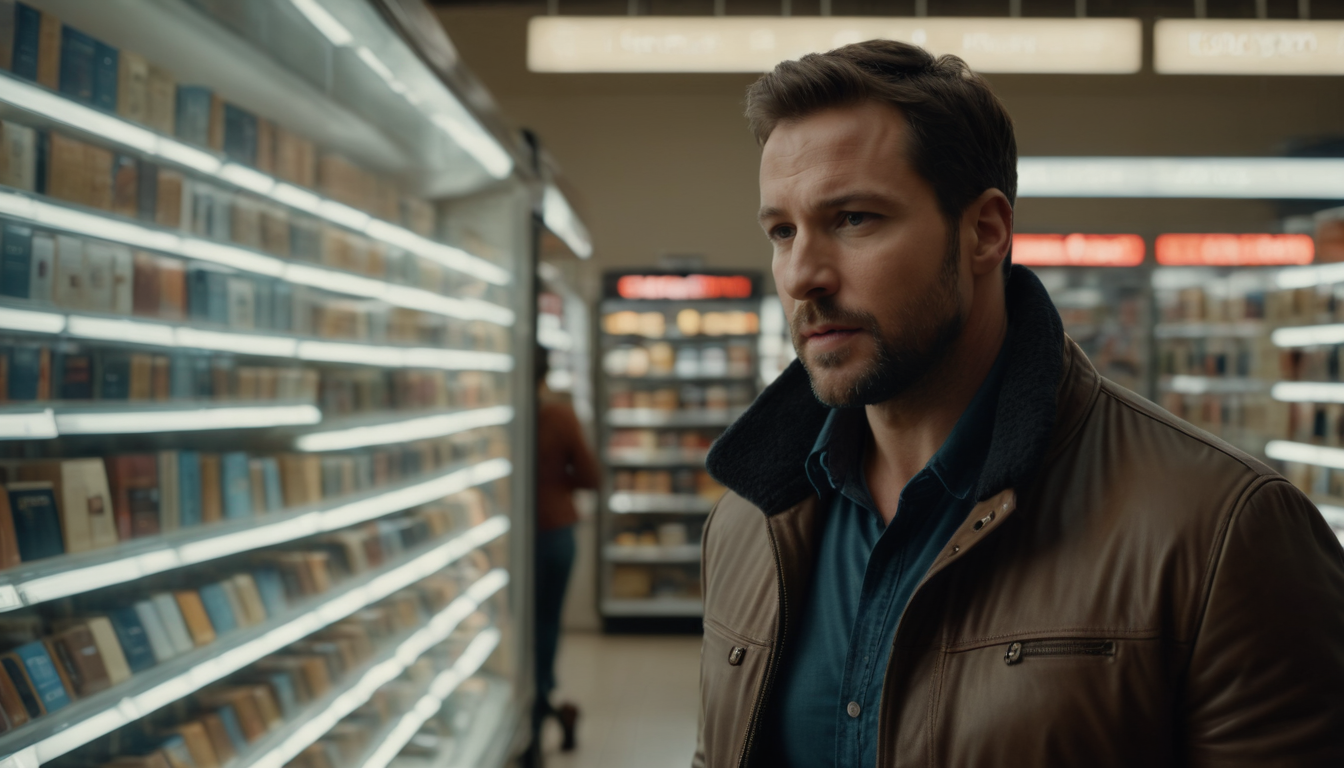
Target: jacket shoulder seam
<point>1178,427</point>
<point>1216,555</point>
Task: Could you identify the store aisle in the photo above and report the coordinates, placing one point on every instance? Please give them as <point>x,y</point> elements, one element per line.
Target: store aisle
<point>639,700</point>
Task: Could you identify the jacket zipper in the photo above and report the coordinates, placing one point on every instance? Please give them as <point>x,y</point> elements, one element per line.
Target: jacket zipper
<point>1018,651</point>
<point>773,665</point>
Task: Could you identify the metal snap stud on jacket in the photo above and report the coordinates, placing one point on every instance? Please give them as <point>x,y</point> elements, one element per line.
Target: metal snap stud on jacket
<point>982,522</point>
<point>1013,654</point>
<point>735,655</point>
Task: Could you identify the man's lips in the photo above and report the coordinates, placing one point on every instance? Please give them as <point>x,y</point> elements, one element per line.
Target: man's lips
<point>829,332</point>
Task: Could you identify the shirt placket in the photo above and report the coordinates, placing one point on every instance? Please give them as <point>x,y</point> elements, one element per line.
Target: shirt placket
<point>862,688</point>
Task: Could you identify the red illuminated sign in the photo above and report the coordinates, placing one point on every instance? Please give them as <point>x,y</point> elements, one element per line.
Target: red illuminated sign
<point>1078,250</point>
<point>684,287</point>
<point>1235,250</point>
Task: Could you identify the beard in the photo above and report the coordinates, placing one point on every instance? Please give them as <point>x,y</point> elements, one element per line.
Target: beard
<point>928,326</point>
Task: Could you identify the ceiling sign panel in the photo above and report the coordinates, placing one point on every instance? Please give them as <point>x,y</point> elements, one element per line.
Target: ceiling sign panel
<point>758,43</point>
<point>1248,47</point>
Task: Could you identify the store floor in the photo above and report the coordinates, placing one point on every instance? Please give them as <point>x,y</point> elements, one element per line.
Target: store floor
<point>638,695</point>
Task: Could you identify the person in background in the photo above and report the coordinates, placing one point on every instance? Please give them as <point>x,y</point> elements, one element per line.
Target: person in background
<point>564,464</point>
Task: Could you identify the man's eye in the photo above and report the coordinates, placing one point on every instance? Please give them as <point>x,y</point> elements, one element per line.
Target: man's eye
<point>855,219</point>
<point>782,232</point>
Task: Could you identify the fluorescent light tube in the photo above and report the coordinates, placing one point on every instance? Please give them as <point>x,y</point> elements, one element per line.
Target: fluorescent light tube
<point>408,430</point>
<point>241,343</point>
<point>232,256</point>
<point>340,352</point>
<point>125,422</point>
<point>296,197</point>
<point>1305,453</point>
<point>339,213</point>
<point>1333,515</point>
<point>125,331</point>
<point>456,359</point>
<point>242,176</point>
<point>480,144</point>
<point>1308,335</point>
<point>560,218</point>
<point>1255,178</point>
<point>325,23</point>
<point>27,320</point>
<point>1308,392</point>
<point>1308,277</point>
<point>189,156</point>
<point>62,110</point>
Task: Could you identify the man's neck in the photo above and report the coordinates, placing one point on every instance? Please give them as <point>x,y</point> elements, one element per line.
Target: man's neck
<point>906,431</point>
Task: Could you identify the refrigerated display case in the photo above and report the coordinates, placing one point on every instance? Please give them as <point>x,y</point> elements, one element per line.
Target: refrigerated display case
<point>679,364</point>
<point>266,319</point>
<point>1106,310</point>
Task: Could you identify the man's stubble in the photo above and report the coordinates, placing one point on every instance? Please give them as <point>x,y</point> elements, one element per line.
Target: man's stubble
<point>929,324</point>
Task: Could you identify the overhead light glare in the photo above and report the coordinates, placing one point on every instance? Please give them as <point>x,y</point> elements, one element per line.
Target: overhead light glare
<point>1308,335</point>
<point>561,219</point>
<point>1246,178</point>
<point>325,23</point>
<point>408,430</point>
<point>485,148</point>
<point>1308,392</point>
<point>1305,453</point>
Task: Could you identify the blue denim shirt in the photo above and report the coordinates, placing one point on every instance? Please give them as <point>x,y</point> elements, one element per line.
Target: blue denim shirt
<point>830,681</point>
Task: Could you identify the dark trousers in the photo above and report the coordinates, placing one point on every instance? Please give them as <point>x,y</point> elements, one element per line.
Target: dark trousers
<point>554,561</point>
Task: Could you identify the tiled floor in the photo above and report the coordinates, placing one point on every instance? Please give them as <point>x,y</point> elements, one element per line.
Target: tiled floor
<point>638,696</point>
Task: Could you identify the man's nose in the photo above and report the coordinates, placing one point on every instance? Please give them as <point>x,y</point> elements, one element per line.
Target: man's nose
<point>808,271</point>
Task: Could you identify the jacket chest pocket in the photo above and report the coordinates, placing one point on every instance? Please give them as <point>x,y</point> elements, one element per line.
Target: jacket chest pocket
<point>1024,650</point>
<point>732,672</point>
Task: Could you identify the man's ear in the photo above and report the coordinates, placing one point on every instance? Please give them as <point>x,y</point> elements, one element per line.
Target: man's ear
<point>989,220</point>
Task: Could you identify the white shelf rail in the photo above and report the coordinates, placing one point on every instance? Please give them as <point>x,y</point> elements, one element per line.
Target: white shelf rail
<point>405,430</point>
<point>440,688</point>
<point>279,747</point>
<point>47,738</point>
<point>125,418</point>
<point>174,336</point>
<point>33,98</point>
<point>58,577</point>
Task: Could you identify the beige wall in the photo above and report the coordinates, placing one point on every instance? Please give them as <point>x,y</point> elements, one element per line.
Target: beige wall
<point>664,164</point>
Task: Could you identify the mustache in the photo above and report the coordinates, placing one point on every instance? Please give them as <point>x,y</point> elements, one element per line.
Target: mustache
<point>823,311</point>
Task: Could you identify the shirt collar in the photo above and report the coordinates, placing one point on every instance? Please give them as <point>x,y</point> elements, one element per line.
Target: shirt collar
<point>835,463</point>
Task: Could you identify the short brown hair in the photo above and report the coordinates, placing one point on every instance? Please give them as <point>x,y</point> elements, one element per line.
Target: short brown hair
<point>961,137</point>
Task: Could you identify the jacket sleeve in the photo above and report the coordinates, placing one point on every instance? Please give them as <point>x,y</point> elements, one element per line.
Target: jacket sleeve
<point>584,472</point>
<point>1266,676</point>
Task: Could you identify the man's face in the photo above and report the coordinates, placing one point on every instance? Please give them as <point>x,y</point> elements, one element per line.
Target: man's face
<point>864,262</point>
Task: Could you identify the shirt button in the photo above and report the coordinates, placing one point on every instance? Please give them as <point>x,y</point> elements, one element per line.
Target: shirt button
<point>853,709</point>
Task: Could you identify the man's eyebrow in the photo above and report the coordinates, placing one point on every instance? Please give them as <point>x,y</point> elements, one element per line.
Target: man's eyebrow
<point>840,201</point>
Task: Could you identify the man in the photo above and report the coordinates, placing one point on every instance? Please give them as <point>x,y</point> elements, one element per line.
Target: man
<point>948,541</point>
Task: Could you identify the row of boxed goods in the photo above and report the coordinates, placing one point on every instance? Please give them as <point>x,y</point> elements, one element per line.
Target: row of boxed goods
<point>1204,305</point>
<point>688,482</point>
<point>212,727</point>
<point>74,372</point>
<point>85,655</point>
<point>1239,357</point>
<point>683,361</point>
<point>686,397</point>
<point>690,440</point>
<point>88,275</point>
<point>1239,418</point>
<point>69,506</point>
<point>634,582</point>
<point>351,738</point>
<point>36,46</point>
<point>1325,485</point>
<point>1319,423</point>
<point>1307,306</point>
<point>77,172</point>
<point>1320,363</point>
<point>688,323</point>
<point>68,371</point>
<point>642,534</point>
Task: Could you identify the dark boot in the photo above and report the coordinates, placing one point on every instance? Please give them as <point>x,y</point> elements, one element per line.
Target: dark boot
<point>568,715</point>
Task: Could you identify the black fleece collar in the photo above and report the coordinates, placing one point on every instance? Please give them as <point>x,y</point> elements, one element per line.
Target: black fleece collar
<point>761,457</point>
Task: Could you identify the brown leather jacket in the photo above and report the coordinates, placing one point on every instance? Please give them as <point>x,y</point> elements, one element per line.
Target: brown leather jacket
<point>1129,591</point>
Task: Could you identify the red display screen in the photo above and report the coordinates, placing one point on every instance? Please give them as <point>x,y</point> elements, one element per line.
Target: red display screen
<point>1234,250</point>
<point>1078,250</point>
